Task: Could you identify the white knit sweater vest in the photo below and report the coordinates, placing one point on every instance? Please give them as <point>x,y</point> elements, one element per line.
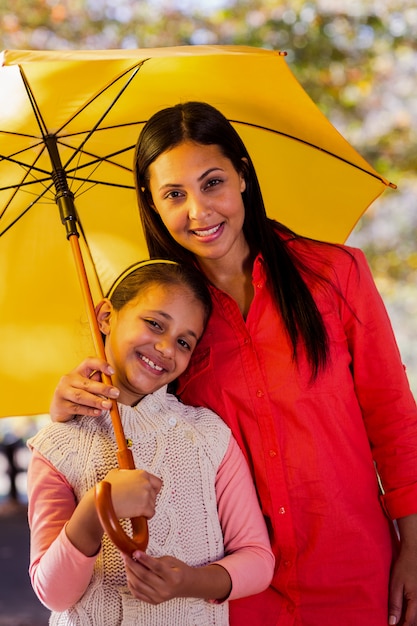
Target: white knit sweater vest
<point>182,445</point>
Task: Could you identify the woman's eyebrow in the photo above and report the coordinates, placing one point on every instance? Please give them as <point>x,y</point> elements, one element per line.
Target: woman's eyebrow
<point>209,171</point>
<point>199,179</point>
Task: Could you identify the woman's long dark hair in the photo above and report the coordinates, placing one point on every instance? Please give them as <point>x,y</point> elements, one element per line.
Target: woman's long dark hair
<point>203,124</point>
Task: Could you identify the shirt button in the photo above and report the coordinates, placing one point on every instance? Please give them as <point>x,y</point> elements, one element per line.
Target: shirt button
<point>287,563</point>
<point>172,421</point>
<point>260,393</point>
<point>282,510</point>
<point>272,453</point>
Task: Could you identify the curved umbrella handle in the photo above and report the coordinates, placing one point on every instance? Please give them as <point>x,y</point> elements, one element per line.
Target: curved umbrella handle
<point>112,526</point>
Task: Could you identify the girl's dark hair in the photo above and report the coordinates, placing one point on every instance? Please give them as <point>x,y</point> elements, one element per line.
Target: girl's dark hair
<point>203,124</point>
<point>142,275</point>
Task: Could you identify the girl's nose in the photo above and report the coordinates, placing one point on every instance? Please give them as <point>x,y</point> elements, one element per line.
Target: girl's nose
<point>165,346</point>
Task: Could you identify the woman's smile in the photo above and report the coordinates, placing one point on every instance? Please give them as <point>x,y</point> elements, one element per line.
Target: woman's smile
<point>209,234</point>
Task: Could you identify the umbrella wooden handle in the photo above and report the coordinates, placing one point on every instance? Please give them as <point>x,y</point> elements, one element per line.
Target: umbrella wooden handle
<point>112,526</point>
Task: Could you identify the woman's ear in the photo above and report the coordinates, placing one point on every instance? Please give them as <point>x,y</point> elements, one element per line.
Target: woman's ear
<point>242,174</point>
<point>148,197</point>
<point>104,310</point>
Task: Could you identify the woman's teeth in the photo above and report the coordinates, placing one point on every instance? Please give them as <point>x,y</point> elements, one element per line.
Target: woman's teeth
<point>208,232</point>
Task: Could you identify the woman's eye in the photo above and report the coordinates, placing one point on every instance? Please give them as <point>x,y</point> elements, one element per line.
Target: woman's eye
<point>173,195</point>
<point>213,182</point>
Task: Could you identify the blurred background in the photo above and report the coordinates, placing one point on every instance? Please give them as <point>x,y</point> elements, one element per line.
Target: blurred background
<point>357,59</point>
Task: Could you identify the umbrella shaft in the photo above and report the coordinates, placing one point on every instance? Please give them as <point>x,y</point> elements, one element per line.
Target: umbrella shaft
<point>63,196</point>
<point>65,202</point>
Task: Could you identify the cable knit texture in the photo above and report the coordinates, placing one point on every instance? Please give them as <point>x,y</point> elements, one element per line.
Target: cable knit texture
<point>182,445</point>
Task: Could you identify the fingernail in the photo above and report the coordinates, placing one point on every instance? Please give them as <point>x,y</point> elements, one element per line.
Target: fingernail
<point>106,404</point>
<point>392,620</point>
<point>114,393</point>
<point>110,370</point>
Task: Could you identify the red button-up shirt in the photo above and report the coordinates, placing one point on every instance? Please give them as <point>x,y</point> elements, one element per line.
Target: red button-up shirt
<point>312,446</point>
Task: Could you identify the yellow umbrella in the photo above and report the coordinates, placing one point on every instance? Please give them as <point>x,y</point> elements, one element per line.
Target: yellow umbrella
<point>84,110</point>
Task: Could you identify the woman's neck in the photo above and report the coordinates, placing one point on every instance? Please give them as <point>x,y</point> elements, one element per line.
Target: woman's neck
<point>233,277</point>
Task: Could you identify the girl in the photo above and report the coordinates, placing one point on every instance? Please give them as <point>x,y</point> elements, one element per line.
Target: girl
<point>194,485</point>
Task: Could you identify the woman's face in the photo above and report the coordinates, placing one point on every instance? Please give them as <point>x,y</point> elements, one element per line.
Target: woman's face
<point>150,340</point>
<point>197,192</point>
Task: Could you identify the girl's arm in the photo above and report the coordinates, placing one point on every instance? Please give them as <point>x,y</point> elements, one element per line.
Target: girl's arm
<point>59,572</point>
<point>66,537</point>
<point>248,555</point>
<point>246,569</point>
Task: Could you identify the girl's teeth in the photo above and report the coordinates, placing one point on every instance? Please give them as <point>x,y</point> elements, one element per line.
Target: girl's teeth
<point>151,364</point>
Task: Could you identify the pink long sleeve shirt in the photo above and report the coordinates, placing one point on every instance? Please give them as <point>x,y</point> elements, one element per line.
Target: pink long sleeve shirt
<point>312,447</point>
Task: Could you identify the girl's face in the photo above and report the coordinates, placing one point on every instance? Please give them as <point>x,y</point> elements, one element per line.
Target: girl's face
<point>197,192</point>
<point>150,340</point>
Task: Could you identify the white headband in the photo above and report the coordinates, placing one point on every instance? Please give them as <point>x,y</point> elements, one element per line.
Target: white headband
<point>134,267</point>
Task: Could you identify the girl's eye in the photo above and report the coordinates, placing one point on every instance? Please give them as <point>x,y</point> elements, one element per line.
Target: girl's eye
<point>184,344</point>
<point>153,324</point>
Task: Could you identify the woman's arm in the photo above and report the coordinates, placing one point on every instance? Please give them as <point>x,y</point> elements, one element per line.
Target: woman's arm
<point>403,584</point>
<point>81,392</point>
<point>388,407</point>
<point>390,417</point>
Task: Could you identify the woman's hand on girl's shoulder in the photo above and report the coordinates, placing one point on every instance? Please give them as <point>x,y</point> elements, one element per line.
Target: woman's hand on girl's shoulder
<point>81,392</point>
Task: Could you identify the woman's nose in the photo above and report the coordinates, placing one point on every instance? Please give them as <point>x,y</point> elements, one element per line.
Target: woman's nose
<point>197,208</point>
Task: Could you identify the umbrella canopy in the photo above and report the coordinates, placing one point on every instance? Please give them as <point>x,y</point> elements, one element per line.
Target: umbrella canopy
<point>86,109</point>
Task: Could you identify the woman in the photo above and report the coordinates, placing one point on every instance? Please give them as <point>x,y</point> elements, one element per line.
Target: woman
<point>300,361</point>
